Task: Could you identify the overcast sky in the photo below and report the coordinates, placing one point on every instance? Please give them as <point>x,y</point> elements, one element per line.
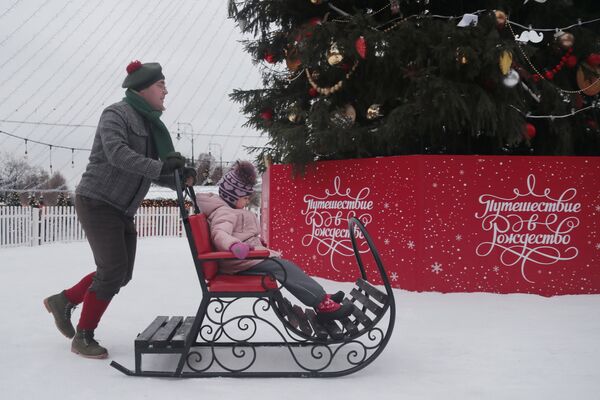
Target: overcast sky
<point>63,61</point>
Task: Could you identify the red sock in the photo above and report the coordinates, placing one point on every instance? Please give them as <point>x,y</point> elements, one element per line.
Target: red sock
<point>92,311</point>
<point>76,293</point>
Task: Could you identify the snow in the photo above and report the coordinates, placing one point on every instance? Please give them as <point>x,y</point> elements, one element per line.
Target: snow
<point>444,346</point>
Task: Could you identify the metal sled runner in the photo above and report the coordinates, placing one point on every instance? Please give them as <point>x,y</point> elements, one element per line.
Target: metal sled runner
<point>234,333</point>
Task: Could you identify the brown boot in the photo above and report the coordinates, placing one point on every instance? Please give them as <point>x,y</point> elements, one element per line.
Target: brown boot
<point>61,309</point>
<point>85,345</point>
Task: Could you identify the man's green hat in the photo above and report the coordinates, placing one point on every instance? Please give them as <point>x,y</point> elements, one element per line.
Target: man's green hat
<point>140,76</point>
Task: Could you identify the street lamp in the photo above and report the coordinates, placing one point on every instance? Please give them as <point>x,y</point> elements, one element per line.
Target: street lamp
<point>190,135</point>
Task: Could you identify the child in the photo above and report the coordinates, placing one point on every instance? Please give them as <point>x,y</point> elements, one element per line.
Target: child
<point>236,229</point>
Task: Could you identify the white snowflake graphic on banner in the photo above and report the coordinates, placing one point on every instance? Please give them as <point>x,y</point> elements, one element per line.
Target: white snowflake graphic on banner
<point>436,267</point>
<point>458,238</point>
<point>394,276</point>
<point>410,244</point>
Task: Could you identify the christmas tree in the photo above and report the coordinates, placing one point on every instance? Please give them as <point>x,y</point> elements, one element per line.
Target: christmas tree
<point>364,78</point>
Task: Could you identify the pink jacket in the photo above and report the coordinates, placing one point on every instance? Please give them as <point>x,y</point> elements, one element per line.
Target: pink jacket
<point>228,226</point>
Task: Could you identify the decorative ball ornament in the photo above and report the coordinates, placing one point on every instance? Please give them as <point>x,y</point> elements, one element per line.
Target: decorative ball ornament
<point>344,117</point>
<point>270,58</point>
<point>292,60</point>
<point>500,19</point>
<point>593,59</point>
<point>588,79</point>
<point>565,40</point>
<point>334,56</point>
<point>374,111</point>
<point>312,92</point>
<point>511,79</point>
<point>361,47</point>
<point>461,57</point>
<point>529,131</point>
<point>316,2</point>
<point>267,115</point>
<point>505,62</point>
<point>571,61</point>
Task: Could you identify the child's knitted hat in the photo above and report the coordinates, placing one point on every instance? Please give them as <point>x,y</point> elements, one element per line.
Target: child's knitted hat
<point>238,182</point>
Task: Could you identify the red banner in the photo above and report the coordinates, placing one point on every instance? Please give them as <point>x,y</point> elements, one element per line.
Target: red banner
<point>445,223</point>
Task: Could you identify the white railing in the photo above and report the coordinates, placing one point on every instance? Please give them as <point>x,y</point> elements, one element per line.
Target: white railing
<point>28,226</point>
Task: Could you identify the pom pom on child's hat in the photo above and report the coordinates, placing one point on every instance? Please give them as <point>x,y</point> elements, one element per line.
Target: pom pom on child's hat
<point>140,76</point>
<point>238,182</point>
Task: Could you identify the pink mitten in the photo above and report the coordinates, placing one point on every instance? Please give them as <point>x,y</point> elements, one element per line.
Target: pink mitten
<point>240,250</point>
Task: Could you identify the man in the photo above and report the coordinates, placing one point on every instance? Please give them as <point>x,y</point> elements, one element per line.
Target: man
<point>131,149</point>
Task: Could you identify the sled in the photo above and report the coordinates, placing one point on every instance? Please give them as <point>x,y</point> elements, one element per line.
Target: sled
<point>234,334</point>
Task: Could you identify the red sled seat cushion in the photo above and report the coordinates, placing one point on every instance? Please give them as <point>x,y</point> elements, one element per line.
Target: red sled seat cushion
<point>209,257</point>
<point>241,283</point>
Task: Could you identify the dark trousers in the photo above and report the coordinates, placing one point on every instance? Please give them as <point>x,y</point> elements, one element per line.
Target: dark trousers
<point>113,238</point>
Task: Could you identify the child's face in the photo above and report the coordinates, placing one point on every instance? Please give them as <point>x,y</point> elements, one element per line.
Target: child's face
<point>242,202</point>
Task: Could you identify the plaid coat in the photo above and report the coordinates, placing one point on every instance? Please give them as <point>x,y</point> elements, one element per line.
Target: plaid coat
<point>123,162</point>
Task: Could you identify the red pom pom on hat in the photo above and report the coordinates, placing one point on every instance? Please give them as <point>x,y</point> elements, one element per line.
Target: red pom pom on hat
<point>134,66</point>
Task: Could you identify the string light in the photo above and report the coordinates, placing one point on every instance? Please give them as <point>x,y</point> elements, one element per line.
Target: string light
<point>553,117</point>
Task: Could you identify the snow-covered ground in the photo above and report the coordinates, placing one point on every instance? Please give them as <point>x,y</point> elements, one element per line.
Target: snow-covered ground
<point>452,346</point>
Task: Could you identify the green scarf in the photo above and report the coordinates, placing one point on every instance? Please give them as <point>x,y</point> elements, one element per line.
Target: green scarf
<point>159,132</point>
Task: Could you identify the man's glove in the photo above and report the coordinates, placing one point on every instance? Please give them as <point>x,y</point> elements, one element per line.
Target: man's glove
<point>189,176</point>
<point>240,250</point>
<point>173,161</point>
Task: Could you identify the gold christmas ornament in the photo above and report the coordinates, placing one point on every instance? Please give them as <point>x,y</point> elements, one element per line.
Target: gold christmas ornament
<point>500,19</point>
<point>374,111</point>
<point>292,60</point>
<point>316,2</point>
<point>588,79</point>
<point>505,62</point>
<point>565,40</point>
<point>334,56</point>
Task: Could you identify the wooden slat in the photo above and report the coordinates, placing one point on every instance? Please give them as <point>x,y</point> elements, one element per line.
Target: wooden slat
<point>178,339</point>
<point>333,329</point>
<point>372,291</point>
<point>349,326</point>
<point>162,336</point>
<point>144,337</point>
<point>319,331</point>
<point>286,307</point>
<point>303,321</point>
<point>360,316</point>
<point>371,306</point>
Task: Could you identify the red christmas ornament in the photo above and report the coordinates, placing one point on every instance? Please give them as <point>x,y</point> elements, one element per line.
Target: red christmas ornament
<point>593,59</point>
<point>549,75</point>
<point>270,58</point>
<point>592,124</point>
<point>361,47</point>
<point>267,114</point>
<point>536,77</point>
<point>312,92</point>
<point>529,131</point>
<point>571,61</point>
<point>134,66</point>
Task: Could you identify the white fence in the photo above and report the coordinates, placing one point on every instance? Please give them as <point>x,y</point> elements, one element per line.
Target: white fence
<point>28,226</point>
